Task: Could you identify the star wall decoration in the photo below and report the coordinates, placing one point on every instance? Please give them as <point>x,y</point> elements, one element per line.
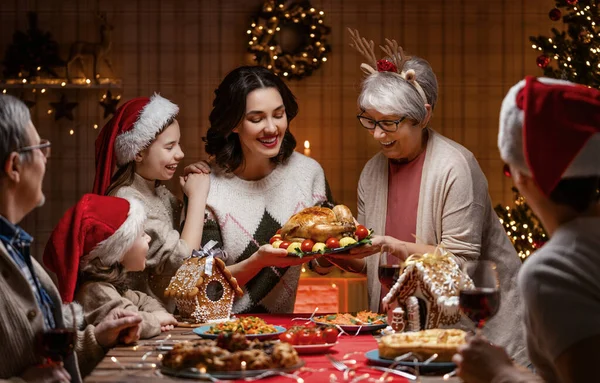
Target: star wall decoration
<point>109,103</point>
<point>63,108</point>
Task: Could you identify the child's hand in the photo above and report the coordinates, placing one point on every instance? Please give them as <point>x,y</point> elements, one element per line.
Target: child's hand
<point>200,167</point>
<point>166,320</point>
<point>195,185</point>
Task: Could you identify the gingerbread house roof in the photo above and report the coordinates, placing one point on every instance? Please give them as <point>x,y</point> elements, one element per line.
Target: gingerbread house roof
<point>192,274</point>
<point>437,275</point>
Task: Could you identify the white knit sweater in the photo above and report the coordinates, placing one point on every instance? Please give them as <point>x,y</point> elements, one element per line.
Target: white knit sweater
<point>243,215</point>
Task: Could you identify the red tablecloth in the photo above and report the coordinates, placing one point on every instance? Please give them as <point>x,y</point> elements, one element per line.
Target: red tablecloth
<point>347,344</point>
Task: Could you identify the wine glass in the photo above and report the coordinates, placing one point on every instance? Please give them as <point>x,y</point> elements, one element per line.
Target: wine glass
<point>57,344</point>
<point>388,272</point>
<point>481,300</point>
<point>389,269</point>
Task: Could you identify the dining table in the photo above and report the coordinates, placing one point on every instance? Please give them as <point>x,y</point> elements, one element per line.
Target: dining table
<point>141,362</point>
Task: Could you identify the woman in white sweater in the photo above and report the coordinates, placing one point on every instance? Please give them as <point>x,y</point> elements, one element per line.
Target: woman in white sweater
<point>257,182</point>
<point>423,190</point>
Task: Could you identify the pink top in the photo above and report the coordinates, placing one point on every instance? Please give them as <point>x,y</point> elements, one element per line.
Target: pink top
<point>404,184</point>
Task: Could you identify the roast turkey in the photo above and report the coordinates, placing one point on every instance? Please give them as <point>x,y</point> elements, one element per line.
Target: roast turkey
<point>319,224</point>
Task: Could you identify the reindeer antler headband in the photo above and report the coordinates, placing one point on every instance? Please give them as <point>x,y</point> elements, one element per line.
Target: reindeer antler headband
<point>393,51</point>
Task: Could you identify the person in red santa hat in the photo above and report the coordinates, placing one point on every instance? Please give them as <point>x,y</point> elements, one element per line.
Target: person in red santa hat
<point>142,142</point>
<point>549,138</point>
<point>91,250</point>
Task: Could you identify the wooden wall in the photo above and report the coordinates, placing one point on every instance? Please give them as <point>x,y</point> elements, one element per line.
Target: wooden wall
<point>183,48</point>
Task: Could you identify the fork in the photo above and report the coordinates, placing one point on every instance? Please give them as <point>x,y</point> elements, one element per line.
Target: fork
<point>340,366</point>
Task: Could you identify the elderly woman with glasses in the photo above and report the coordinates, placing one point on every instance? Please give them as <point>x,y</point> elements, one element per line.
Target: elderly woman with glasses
<point>423,189</point>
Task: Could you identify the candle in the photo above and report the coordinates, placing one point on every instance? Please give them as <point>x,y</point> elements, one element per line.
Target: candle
<point>307,148</point>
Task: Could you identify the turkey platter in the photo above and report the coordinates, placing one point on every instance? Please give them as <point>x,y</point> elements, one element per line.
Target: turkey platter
<point>319,230</point>
<point>319,224</point>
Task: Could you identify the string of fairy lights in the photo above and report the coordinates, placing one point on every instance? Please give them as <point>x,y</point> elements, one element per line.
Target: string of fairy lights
<point>63,108</point>
<point>575,51</point>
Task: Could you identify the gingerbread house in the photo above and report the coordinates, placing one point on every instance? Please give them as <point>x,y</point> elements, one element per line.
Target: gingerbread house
<point>204,290</point>
<point>435,279</point>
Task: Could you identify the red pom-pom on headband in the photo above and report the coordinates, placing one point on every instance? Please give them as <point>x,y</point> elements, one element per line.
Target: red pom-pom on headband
<point>384,65</point>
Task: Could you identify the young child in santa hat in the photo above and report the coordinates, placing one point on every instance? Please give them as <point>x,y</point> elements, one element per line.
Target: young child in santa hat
<point>550,139</point>
<point>142,143</point>
<point>91,250</point>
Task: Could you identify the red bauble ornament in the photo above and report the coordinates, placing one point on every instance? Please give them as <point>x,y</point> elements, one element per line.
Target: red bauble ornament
<point>506,170</point>
<point>572,2</point>
<point>555,14</point>
<point>542,61</point>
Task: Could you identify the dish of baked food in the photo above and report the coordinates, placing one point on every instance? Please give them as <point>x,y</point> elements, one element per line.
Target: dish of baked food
<point>252,327</point>
<point>424,344</point>
<point>320,230</point>
<point>362,321</point>
<point>229,357</point>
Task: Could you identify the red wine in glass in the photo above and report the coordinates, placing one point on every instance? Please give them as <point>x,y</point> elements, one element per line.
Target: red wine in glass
<point>480,304</point>
<point>57,344</point>
<point>388,275</point>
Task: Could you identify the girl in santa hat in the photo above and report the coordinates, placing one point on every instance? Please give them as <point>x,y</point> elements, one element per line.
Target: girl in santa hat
<point>549,138</point>
<point>142,143</point>
<point>91,250</point>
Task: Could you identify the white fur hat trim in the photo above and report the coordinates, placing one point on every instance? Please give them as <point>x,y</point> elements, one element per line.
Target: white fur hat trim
<point>113,248</point>
<point>152,119</point>
<point>510,137</point>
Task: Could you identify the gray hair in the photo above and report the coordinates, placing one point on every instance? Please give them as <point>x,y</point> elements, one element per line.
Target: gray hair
<point>389,93</point>
<point>14,118</point>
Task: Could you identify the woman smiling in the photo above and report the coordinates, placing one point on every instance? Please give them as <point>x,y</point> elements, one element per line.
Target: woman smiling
<point>423,189</point>
<point>257,182</point>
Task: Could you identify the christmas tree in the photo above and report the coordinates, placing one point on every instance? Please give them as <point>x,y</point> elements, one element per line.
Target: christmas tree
<point>522,226</point>
<point>574,54</point>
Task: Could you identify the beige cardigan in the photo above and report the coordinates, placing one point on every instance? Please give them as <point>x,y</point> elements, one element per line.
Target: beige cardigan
<point>454,209</point>
<point>21,320</point>
<point>99,298</point>
<point>167,250</point>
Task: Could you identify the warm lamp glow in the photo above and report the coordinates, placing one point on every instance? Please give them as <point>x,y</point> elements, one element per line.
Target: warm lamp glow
<point>306,144</point>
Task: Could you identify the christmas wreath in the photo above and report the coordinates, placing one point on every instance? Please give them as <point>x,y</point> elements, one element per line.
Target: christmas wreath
<point>289,38</point>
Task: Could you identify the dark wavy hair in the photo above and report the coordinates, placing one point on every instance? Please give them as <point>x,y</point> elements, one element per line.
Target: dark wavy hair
<point>229,108</point>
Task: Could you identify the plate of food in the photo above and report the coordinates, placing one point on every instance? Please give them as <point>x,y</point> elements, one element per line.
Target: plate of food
<point>374,358</point>
<point>251,327</point>
<point>320,230</point>
<point>422,345</point>
<point>310,339</point>
<point>230,356</point>
<point>362,321</point>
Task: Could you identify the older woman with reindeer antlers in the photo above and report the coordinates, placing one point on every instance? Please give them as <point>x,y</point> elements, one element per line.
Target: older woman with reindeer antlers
<point>423,189</point>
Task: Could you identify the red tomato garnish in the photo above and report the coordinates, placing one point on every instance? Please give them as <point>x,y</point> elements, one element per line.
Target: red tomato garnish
<point>330,335</point>
<point>274,238</point>
<point>332,243</point>
<point>307,245</point>
<point>361,232</point>
<point>284,244</point>
<point>287,337</point>
<point>318,337</point>
<point>304,337</point>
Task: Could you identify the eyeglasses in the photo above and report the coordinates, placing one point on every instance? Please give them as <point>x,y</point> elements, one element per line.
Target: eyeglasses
<point>44,146</point>
<point>386,125</point>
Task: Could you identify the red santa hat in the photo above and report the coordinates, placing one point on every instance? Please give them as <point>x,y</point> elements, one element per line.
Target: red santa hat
<point>96,227</point>
<point>133,127</point>
<point>550,130</point>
